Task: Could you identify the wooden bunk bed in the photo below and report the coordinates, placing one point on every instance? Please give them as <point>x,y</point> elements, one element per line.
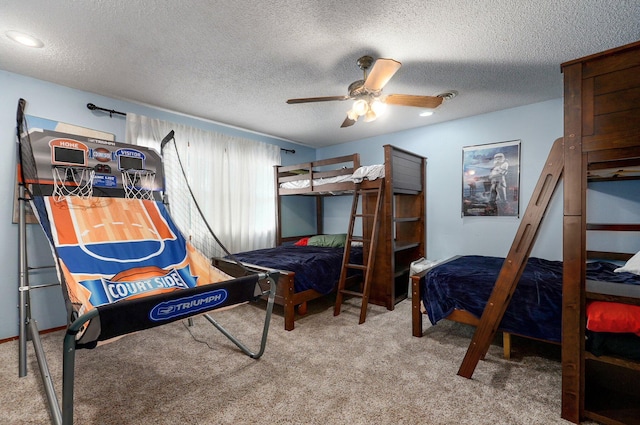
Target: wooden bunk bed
<point>402,230</point>
<point>325,177</point>
<point>602,132</point>
<point>601,143</point>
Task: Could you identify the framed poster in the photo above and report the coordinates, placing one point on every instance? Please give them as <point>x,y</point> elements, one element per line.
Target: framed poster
<point>491,179</point>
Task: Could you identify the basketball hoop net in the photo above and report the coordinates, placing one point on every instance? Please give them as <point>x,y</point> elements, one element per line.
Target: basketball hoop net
<point>72,181</point>
<point>138,184</point>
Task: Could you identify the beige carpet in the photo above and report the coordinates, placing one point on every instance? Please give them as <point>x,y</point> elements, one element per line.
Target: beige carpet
<point>329,370</point>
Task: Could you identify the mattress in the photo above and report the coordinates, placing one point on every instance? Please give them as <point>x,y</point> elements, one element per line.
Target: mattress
<point>368,172</point>
<point>315,267</point>
<point>535,310</point>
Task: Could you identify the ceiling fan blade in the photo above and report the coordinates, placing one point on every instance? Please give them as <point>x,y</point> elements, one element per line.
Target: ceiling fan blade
<point>413,100</point>
<point>348,122</point>
<point>317,99</point>
<point>381,73</point>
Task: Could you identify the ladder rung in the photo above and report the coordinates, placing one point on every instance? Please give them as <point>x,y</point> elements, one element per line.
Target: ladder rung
<point>372,222</point>
<point>354,293</point>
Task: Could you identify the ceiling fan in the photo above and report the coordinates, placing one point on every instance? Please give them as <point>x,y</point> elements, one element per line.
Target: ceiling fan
<point>367,93</point>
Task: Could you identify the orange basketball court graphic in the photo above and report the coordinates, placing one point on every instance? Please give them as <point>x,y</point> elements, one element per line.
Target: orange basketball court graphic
<point>99,220</point>
<point>88,223</point>
<point>114,248</point>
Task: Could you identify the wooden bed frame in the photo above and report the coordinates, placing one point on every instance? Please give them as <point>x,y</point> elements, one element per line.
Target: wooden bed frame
<point>286,296</point>
<point>601,131</point>
<point>405,181</point>
<point>459,316</point>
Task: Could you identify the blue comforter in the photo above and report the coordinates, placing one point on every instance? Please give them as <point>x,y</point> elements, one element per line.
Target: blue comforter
<point>314,267</point>
<point>465,283</point>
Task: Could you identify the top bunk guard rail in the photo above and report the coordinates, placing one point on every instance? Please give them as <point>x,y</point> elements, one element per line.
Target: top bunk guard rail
<point>122,262</point>
<point>614,164</point>
<point>316,177</point>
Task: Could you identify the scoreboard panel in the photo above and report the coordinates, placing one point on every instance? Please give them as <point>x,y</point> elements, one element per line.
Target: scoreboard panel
<point>107,158</point>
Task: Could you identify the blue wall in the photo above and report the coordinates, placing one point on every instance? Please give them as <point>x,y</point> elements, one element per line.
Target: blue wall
<point>537,126</point>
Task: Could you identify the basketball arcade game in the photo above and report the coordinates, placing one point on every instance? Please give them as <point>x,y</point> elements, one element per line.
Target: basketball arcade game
<point>122,263</point>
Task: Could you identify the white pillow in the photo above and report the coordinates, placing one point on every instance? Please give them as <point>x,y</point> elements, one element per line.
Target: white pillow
<point>631,266</point>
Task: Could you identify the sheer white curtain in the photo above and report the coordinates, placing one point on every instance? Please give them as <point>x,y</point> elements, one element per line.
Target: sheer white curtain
<point>232,180</point>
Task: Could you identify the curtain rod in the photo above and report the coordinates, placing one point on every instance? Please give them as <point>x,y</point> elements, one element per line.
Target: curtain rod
<point>110,111</point>
<point>113,111</point>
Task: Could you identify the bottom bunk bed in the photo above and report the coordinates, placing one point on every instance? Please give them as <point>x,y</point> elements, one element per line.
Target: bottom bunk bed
<point>611,355</point>
<point>309,265</point>
<point>306,272</point>
<point>613,312</point>
<point>608,339</point>
<point>458,289</point>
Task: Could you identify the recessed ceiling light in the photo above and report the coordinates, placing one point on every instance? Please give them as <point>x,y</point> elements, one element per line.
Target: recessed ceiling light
<point>426,113</point>
<point>24,39</point>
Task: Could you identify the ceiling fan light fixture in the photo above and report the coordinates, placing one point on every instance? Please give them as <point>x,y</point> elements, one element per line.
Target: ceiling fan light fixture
<point>370,116</point>
<point>378,107</point>
<point>360,107</point>
<point>369,102</point>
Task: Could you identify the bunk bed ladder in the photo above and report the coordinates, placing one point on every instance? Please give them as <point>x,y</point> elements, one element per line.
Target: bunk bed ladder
<point>516,260</point>
<point>369,244</point>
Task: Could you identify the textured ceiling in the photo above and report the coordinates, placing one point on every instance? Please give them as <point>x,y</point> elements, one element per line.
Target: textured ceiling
<point>237,62</point>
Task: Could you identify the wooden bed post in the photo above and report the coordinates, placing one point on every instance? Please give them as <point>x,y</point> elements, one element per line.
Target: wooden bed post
<point>516,260</point>
<point>278,207</point>
<point>574,257</point>
<point>319,215</point>
<point>416,301</point>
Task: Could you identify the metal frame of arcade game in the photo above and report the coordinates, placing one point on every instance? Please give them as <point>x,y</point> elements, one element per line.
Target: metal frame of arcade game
<point>59,175</point>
